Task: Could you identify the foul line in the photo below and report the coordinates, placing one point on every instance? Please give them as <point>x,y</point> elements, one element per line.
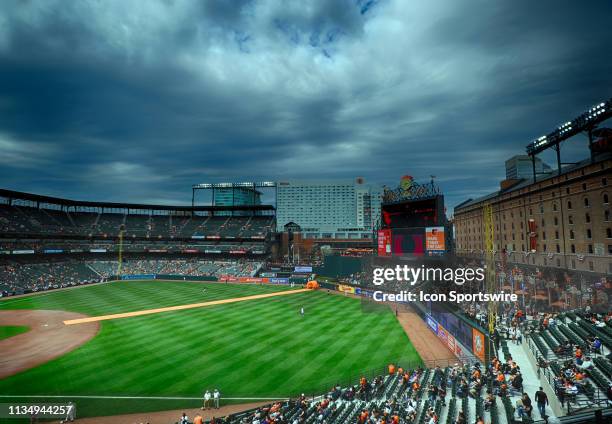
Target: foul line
<point>136,397</point>
<point>181,307</point>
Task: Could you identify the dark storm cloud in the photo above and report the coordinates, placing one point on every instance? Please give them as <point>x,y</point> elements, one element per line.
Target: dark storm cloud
<point>136,101</point>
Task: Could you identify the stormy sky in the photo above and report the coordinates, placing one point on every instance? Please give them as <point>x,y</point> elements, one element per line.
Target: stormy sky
<point>137,100</point>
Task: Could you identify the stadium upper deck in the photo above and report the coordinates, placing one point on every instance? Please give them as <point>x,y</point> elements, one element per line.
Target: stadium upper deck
<point>23,214</point>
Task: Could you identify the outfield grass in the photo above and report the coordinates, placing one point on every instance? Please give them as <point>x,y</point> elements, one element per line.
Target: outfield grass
<point>258,348</point>
<point>7,331</point>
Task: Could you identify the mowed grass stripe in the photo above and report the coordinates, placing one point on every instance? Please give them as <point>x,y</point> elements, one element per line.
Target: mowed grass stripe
<point>180,307</point>
<point>257,348</point>
<point>117,297</point>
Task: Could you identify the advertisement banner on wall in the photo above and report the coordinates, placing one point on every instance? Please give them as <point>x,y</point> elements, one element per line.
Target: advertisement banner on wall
<point>279,280</point>
<point>346,289</point>
<point>303,269</point>
<point>253,280</point>
<point>443,334</point>
<point>432,324</point>
<point>384,242</point>
<point>451,343</point>
<point>478,344</point>
<point>139,277</point>
<point>434,240</point>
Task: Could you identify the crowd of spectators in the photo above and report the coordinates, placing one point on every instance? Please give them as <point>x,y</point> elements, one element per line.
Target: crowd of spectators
<point>407,396</point>
<point>18,277</point>
<point>30,220</point>
<point>185,267</point>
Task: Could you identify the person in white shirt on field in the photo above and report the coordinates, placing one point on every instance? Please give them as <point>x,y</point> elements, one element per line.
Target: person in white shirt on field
<point>207,397</point>
<point>216,397</point>
<point>70,413</point>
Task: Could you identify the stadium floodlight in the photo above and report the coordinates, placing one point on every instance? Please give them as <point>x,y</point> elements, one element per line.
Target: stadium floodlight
<point>585,122</point>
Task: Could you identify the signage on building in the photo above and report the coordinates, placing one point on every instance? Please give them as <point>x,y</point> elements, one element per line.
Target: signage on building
<point>434,240</point>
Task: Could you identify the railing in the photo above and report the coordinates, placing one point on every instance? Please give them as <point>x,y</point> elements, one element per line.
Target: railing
<point>598,399</point>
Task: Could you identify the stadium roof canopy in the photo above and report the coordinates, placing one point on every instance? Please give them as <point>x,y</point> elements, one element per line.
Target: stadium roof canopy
<point>13,195</point>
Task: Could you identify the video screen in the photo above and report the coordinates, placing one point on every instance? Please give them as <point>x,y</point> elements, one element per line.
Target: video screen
<point>411,214</point>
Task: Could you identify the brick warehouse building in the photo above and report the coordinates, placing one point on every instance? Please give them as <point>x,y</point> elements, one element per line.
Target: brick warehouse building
<point>553,238</point>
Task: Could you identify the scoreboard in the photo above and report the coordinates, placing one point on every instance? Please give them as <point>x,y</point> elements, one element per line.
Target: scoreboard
<point>414,227</point>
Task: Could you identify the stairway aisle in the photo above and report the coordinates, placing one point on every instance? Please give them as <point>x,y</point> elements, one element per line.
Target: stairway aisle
<point>530,377</point>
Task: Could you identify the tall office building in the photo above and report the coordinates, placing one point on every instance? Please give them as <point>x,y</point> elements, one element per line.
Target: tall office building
<point>328,209</point>
<point>521,167</point>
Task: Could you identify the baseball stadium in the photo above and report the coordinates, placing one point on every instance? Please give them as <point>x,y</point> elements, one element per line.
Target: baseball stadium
<point>228,314</point>
<point>305,212</point>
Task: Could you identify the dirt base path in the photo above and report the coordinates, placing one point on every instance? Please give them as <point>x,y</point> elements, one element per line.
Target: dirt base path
<point>168,417</point>
<point>47,339</point>
<point>427,344</point>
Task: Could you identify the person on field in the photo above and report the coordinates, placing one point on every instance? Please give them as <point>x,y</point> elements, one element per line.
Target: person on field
<point>216,397</point>
<point>70,414</point>
<point>184,419</point>
<point>207,397</point>
<point>302,311</point>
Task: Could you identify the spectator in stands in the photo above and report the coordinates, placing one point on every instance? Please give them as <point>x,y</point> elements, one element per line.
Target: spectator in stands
<point>596,345</point>
<point>541,401</point>
<point>516,382</point>
<point>489,400</point>
<point>461,419</point>
<point>442,393</point>
<point>433,393</point>
<point>519,336</point>
<point>585,365</point>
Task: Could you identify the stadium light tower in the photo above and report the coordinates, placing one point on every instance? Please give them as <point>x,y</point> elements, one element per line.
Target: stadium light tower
<point>587,122</point>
